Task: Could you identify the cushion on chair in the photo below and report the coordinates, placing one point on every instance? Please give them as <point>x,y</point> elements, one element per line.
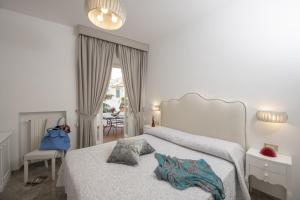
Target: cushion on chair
<point>41,155</point>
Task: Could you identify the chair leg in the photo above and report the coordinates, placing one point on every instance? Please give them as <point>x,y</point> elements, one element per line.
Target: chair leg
<point>25,171</point>
<point>46,163</point>
<point>53,168</point>
<point>62,156</point>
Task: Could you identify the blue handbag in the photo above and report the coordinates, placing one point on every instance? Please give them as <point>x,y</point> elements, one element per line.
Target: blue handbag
<point>55,139</point>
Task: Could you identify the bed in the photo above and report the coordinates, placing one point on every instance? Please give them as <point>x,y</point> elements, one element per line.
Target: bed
<point>192,128</point>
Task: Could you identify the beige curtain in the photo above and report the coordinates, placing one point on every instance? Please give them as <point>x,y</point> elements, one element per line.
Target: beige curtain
<point>134,68</point>
<point>94,70</point>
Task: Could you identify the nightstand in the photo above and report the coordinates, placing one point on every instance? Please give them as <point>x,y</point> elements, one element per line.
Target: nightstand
<point>271,170</point>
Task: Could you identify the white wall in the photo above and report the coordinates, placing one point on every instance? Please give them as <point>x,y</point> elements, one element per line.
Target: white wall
<point>249,51</point>
<point>37,71</point>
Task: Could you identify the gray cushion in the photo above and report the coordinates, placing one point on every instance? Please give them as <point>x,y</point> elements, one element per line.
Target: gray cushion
<point>125,152</point>
<point>146,147</point>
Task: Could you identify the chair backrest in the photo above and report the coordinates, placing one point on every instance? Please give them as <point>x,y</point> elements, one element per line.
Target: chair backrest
<point>37,128</point>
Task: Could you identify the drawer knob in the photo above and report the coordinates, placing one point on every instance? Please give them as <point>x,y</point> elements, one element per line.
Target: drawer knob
<point>266,174</point>
<point>266,165</point>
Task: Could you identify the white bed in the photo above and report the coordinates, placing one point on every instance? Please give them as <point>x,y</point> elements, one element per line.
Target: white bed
<point>87,176</point>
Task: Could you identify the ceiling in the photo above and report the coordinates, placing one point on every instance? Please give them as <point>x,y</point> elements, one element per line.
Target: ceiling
<point>146,21</point>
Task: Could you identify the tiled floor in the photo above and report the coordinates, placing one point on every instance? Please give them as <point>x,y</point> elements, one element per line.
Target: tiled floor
<point>114,134</point>
<point>15,190</point>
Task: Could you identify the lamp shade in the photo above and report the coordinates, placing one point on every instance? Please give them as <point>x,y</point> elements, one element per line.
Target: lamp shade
<point>155,108</point>
<point>106,14</point>
<point>270,116</point>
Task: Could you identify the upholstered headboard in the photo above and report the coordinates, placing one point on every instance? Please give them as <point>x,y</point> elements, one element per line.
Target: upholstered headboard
<point>215,118</point>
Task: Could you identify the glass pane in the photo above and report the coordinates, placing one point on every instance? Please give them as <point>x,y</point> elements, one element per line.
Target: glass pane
<point>113,119</point>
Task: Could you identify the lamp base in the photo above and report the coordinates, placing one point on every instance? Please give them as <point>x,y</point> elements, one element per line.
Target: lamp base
<point>153,122</point>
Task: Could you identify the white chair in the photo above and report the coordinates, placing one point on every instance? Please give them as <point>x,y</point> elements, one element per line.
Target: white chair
<point>37,130</point>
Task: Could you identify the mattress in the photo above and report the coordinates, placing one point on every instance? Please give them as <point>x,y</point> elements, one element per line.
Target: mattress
<point>87,176</point>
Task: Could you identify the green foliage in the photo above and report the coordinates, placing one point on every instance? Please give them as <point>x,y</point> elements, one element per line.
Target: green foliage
<point>106,108</point>
<point>108,96</point>
<point>122,104</point>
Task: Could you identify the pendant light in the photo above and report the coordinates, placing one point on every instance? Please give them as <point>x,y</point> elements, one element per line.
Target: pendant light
<point>106,14</point>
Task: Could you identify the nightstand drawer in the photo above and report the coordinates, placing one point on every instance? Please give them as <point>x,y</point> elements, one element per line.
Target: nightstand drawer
<point>268,176</point>
<point>268,165</point>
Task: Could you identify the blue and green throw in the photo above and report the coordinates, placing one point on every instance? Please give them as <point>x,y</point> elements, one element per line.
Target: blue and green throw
<point>184,173</point>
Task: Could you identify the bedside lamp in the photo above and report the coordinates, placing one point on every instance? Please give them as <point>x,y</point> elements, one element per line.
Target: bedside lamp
<point>154,109</point>
<point>273,117</point>
<point>270,116</point>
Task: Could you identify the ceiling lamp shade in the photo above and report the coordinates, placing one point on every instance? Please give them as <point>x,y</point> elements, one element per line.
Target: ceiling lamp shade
<point>269,116</point>
<point>106,14</point>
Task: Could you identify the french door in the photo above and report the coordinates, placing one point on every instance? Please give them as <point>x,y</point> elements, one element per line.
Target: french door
<point>114,120</point>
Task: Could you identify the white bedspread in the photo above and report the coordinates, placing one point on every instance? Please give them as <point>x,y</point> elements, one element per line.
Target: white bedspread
<point>229,151</point>
<point>87,176</point>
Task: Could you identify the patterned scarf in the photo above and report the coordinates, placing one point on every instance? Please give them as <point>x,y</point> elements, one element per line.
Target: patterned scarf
<point>184,173</point>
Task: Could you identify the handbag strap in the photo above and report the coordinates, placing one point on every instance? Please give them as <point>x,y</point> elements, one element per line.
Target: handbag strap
<point>58,121</point>
<point>45,127</point>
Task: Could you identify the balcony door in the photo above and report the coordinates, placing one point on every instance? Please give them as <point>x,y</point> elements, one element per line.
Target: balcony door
<point>114,117</point>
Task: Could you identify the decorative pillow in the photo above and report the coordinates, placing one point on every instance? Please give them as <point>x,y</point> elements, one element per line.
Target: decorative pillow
<point>146,147</point>
<point>125,153</point>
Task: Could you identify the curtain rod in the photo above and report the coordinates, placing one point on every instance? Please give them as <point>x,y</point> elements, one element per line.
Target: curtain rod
<point>111,38</point>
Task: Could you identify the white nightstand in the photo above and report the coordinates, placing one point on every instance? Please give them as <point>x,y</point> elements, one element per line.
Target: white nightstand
<point>272,170</point>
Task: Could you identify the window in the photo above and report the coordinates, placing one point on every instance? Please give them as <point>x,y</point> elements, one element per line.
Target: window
<point>113,112</point>
<point>118,92</point>
<point>115,92</point>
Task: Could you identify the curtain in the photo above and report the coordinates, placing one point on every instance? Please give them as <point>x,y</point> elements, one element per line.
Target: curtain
<point>134,67</point>
<point>94,70</point>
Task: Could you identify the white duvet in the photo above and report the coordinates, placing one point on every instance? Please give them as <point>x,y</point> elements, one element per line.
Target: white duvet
<point>87,176</point>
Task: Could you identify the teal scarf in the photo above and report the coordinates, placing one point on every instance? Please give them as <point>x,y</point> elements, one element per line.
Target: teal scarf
<point>183,173</point>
